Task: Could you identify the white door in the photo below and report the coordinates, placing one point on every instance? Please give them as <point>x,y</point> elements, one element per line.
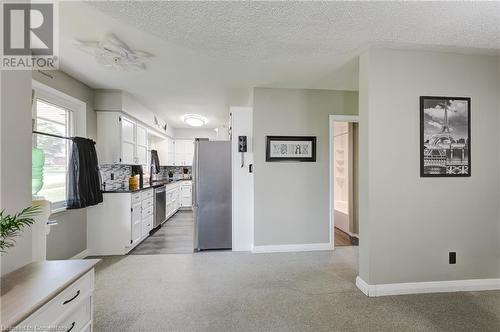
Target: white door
<point>128,141</point>
<point>136,223</point>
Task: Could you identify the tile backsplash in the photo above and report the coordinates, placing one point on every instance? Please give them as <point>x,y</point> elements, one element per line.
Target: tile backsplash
<point>178,171</point>
<point>119,173</point>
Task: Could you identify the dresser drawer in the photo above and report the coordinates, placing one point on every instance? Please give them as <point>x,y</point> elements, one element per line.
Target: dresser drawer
<point>136,198</point>
<point>147,203</point>
<point>147,212</point>
<point>147,193</point>
<point>79,318</point>
<point>70,300</point>
<point>147,225</point>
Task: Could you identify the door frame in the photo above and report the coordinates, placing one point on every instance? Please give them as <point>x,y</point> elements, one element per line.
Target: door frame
<point>331,150</point>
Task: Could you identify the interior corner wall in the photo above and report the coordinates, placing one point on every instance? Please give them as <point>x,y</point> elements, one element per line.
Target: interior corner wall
<point>291,199</point>
<point>242,180</point>
<point>15,149</point>
<point>69,237</point>
<point>409,223</point>
<point>364,224</point>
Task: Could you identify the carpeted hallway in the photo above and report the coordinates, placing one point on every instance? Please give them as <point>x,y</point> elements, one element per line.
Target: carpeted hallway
<point>226,291</point>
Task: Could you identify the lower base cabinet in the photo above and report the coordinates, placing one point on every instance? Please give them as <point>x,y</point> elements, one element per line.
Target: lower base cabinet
<point>120,222</point>
<point>186,194</point>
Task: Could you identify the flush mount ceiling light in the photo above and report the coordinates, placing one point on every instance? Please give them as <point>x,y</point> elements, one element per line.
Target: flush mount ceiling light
<point>111,52</point>
<point>194,120</point>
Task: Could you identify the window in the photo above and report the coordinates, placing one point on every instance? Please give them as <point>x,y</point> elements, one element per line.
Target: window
<point>57,120</point>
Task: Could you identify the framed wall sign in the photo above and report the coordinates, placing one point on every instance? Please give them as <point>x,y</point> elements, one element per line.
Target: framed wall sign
<point>445,137</point>
<point>291,148</point>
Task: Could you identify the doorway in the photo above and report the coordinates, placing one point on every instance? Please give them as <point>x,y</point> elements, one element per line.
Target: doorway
<point>344,183</point>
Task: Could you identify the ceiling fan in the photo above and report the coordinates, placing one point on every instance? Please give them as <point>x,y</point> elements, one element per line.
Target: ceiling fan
<point>111,52</point>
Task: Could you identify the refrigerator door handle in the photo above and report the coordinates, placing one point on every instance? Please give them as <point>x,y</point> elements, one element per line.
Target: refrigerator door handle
<point>196,173</point>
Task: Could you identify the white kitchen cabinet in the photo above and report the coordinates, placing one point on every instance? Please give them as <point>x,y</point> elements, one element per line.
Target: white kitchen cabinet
<point>170,152</point>
<point>136,223</point>
<point>128,140</point>
<point>147,210</point>
<point>141,145</point>
<point>120,222</point>
<point>166,151</point>
<point>172,201</point>
<point>121,140</point>
<point>184,151</point>
<point>186,194</point>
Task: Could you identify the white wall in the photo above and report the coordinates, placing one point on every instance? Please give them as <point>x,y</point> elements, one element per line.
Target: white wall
<point>291,199</point>
<point>409,224</point>
<point>15,165</point>
<point>242,184</point>
<point>69,237</point>
<point>192,133</point>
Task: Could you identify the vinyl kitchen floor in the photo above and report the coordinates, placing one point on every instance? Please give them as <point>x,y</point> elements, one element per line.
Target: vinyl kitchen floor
<point>174,237</point>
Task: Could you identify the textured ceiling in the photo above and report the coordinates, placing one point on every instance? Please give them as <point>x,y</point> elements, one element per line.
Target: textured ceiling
<point>210,54</point>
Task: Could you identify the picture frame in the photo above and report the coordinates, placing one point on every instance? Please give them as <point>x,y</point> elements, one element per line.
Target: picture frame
<point>445,136</point>
<point>291,148</point>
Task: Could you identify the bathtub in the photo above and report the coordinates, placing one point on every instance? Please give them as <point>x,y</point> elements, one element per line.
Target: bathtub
<point>341,215</point>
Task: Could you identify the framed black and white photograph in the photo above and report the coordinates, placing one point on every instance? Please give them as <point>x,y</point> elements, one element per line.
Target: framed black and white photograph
<point>290,148</point>
<point>445,137</point>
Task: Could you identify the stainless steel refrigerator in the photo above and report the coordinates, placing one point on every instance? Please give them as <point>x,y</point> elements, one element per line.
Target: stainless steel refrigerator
<point>212,195</point>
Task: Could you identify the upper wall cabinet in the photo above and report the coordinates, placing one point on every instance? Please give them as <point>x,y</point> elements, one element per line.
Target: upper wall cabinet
<point>166,152</point>
<point>184,151</point>
<point>142,145</point>
<point>120,101</point>
<point>121,140</point>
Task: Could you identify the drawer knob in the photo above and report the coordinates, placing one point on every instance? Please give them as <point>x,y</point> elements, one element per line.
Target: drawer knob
<point>71,299</point>
<point>72,326</point>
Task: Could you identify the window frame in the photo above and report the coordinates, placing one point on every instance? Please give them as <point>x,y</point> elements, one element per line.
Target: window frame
<point>77,120</point>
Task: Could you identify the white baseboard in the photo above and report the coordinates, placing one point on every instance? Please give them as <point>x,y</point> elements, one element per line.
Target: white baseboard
<point>447,286</point>
<point>81,255</point>
<point>292,247</point>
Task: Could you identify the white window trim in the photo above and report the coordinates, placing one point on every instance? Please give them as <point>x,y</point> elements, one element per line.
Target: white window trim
<point>57,97</point>
<point>78,111</point>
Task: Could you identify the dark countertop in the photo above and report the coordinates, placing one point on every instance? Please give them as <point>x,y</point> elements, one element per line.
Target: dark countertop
<point>146,186</point>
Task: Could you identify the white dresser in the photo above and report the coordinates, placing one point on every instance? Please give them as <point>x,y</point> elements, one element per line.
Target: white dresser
<point>49,296</point>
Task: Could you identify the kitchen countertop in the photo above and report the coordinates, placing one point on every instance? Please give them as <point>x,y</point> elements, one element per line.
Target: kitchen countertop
<point>145,187</point>
<point>29,288</point>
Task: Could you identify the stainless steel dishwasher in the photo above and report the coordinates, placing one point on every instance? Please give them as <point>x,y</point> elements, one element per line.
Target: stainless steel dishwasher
<point>160,205</point>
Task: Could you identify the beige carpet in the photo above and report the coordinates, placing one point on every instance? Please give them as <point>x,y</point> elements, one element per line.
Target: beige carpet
<point>225,291</point>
